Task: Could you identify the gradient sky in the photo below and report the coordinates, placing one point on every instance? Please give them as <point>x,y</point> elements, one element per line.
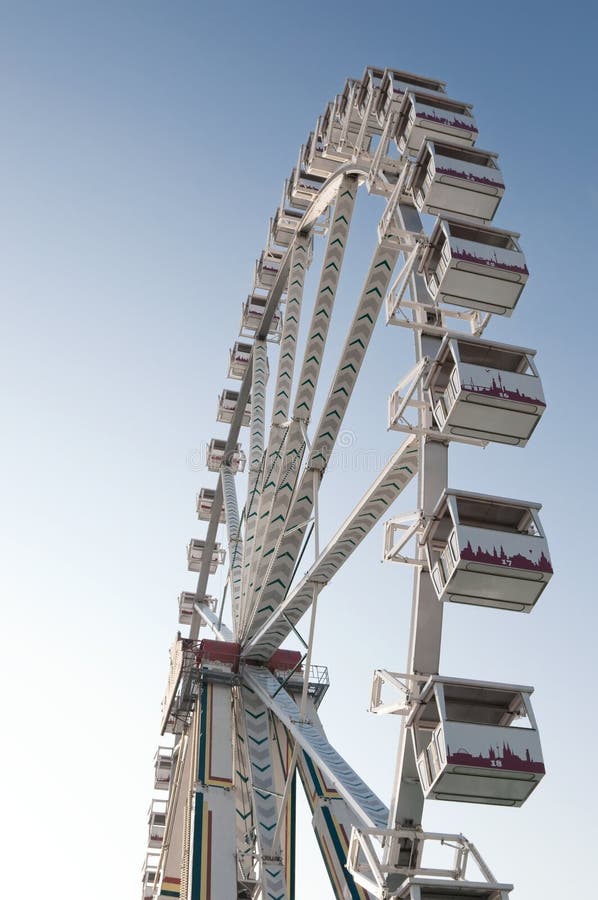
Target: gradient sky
<point>144,148</point>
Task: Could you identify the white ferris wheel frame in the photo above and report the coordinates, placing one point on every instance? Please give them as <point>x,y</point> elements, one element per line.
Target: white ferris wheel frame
<point>273,718</point>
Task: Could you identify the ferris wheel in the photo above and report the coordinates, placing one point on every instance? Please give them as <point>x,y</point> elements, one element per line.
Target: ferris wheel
<point>242,714</point>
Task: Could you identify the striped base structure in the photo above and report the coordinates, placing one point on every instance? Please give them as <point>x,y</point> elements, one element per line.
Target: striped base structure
<point>171,887</point>
<point>332,821</point>
<point>264,792</point>
<point>212,872</point>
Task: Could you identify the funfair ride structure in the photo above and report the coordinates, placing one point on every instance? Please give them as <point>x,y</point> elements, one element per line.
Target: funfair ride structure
<point>240,715</point>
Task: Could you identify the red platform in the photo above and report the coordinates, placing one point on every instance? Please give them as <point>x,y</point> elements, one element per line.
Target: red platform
<point>219,651</point>
<point>285,661</point>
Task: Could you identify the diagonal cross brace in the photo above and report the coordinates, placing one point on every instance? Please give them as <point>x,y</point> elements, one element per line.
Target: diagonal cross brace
<point>325,197</point>
<point>209,618</point>
<point>271,589</point>
<point>365,804</point>
<point>398,472</point>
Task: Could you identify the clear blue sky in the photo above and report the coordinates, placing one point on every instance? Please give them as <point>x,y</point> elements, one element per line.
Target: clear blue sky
<point>144,145</point>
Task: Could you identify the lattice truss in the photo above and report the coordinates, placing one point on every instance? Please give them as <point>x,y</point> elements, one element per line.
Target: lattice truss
<point>242,714</point>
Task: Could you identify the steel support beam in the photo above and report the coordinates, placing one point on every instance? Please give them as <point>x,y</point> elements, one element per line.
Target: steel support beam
<point>235,545</point>
<point>271,587</point>
<point>426,617</point>
<point>376,501</point>
<point>369,810</point>
<point>284,462</point>
<point>332,821</point>
<point>260,495</point>
<point>264,795</point>
<point>212,843</point>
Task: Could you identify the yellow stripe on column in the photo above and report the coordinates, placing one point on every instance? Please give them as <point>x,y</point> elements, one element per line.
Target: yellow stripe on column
<point>206,852</point>
<point>173,890</point>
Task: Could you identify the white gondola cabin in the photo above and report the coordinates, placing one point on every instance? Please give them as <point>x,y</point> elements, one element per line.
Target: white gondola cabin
<point>346,115</point>
<point>266,269</point>
<point>227,404</point>
<point>395,84</point>
<point>163,761</point>
<point>331,133</point>
<point>283,226</point>
<point>215,457</point>
<point>474,266</point>
<point>455,180</point>
<point>204,504</point>
<point>487,551</point>
<point>303,187</point>
<point>369,90</point>
<point>252,315</point>
<point>425,116</point>
<point>195,555</point>
<point>485,390</point>
<point>187,603</point>
<point>476,741</point>
<point>238,360</point>
<point>326,122</point>
<point>367,101</point>
<point>313,156</point>
<point>419,888</point>
<point>157,823</point>
<point>148,874</point>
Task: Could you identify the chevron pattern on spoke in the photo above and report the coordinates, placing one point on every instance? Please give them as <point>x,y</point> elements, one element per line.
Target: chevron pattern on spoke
<point>259,499</point>
<point>258,410</point>
<point>353,353</point>
<point>272,590</point>
<point>276,497</point>
<point>332,821</point>
<point>369,810</point>
<point>395,476</point>
<point>329,278</point>
<point>264,488</point>
<point>265,806</point>
<point>256,456</point>
<point>233,527</point>
<point>290,331</point>
<point>244,820</point>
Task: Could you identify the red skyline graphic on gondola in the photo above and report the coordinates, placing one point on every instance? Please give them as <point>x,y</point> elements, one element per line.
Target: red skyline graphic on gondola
<point>502,558</point>
<point>453,122</point>
<point>469,176</point>
<point>498,389</point>
<point>487,260</point>
<point>496,759</point>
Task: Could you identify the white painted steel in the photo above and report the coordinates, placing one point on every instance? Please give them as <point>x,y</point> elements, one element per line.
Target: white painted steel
<point>461,389</point>
<point>395,476</point>
<point>235,542</point>
<point>467,745</point>
<point>369,810</point>
<point>385,881</point>
<point>474,266</point>
<point>456,180</point>
<point>485,390</point>
<point>487,551</point>
<point>423,116</point>
<point>260,749</point>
